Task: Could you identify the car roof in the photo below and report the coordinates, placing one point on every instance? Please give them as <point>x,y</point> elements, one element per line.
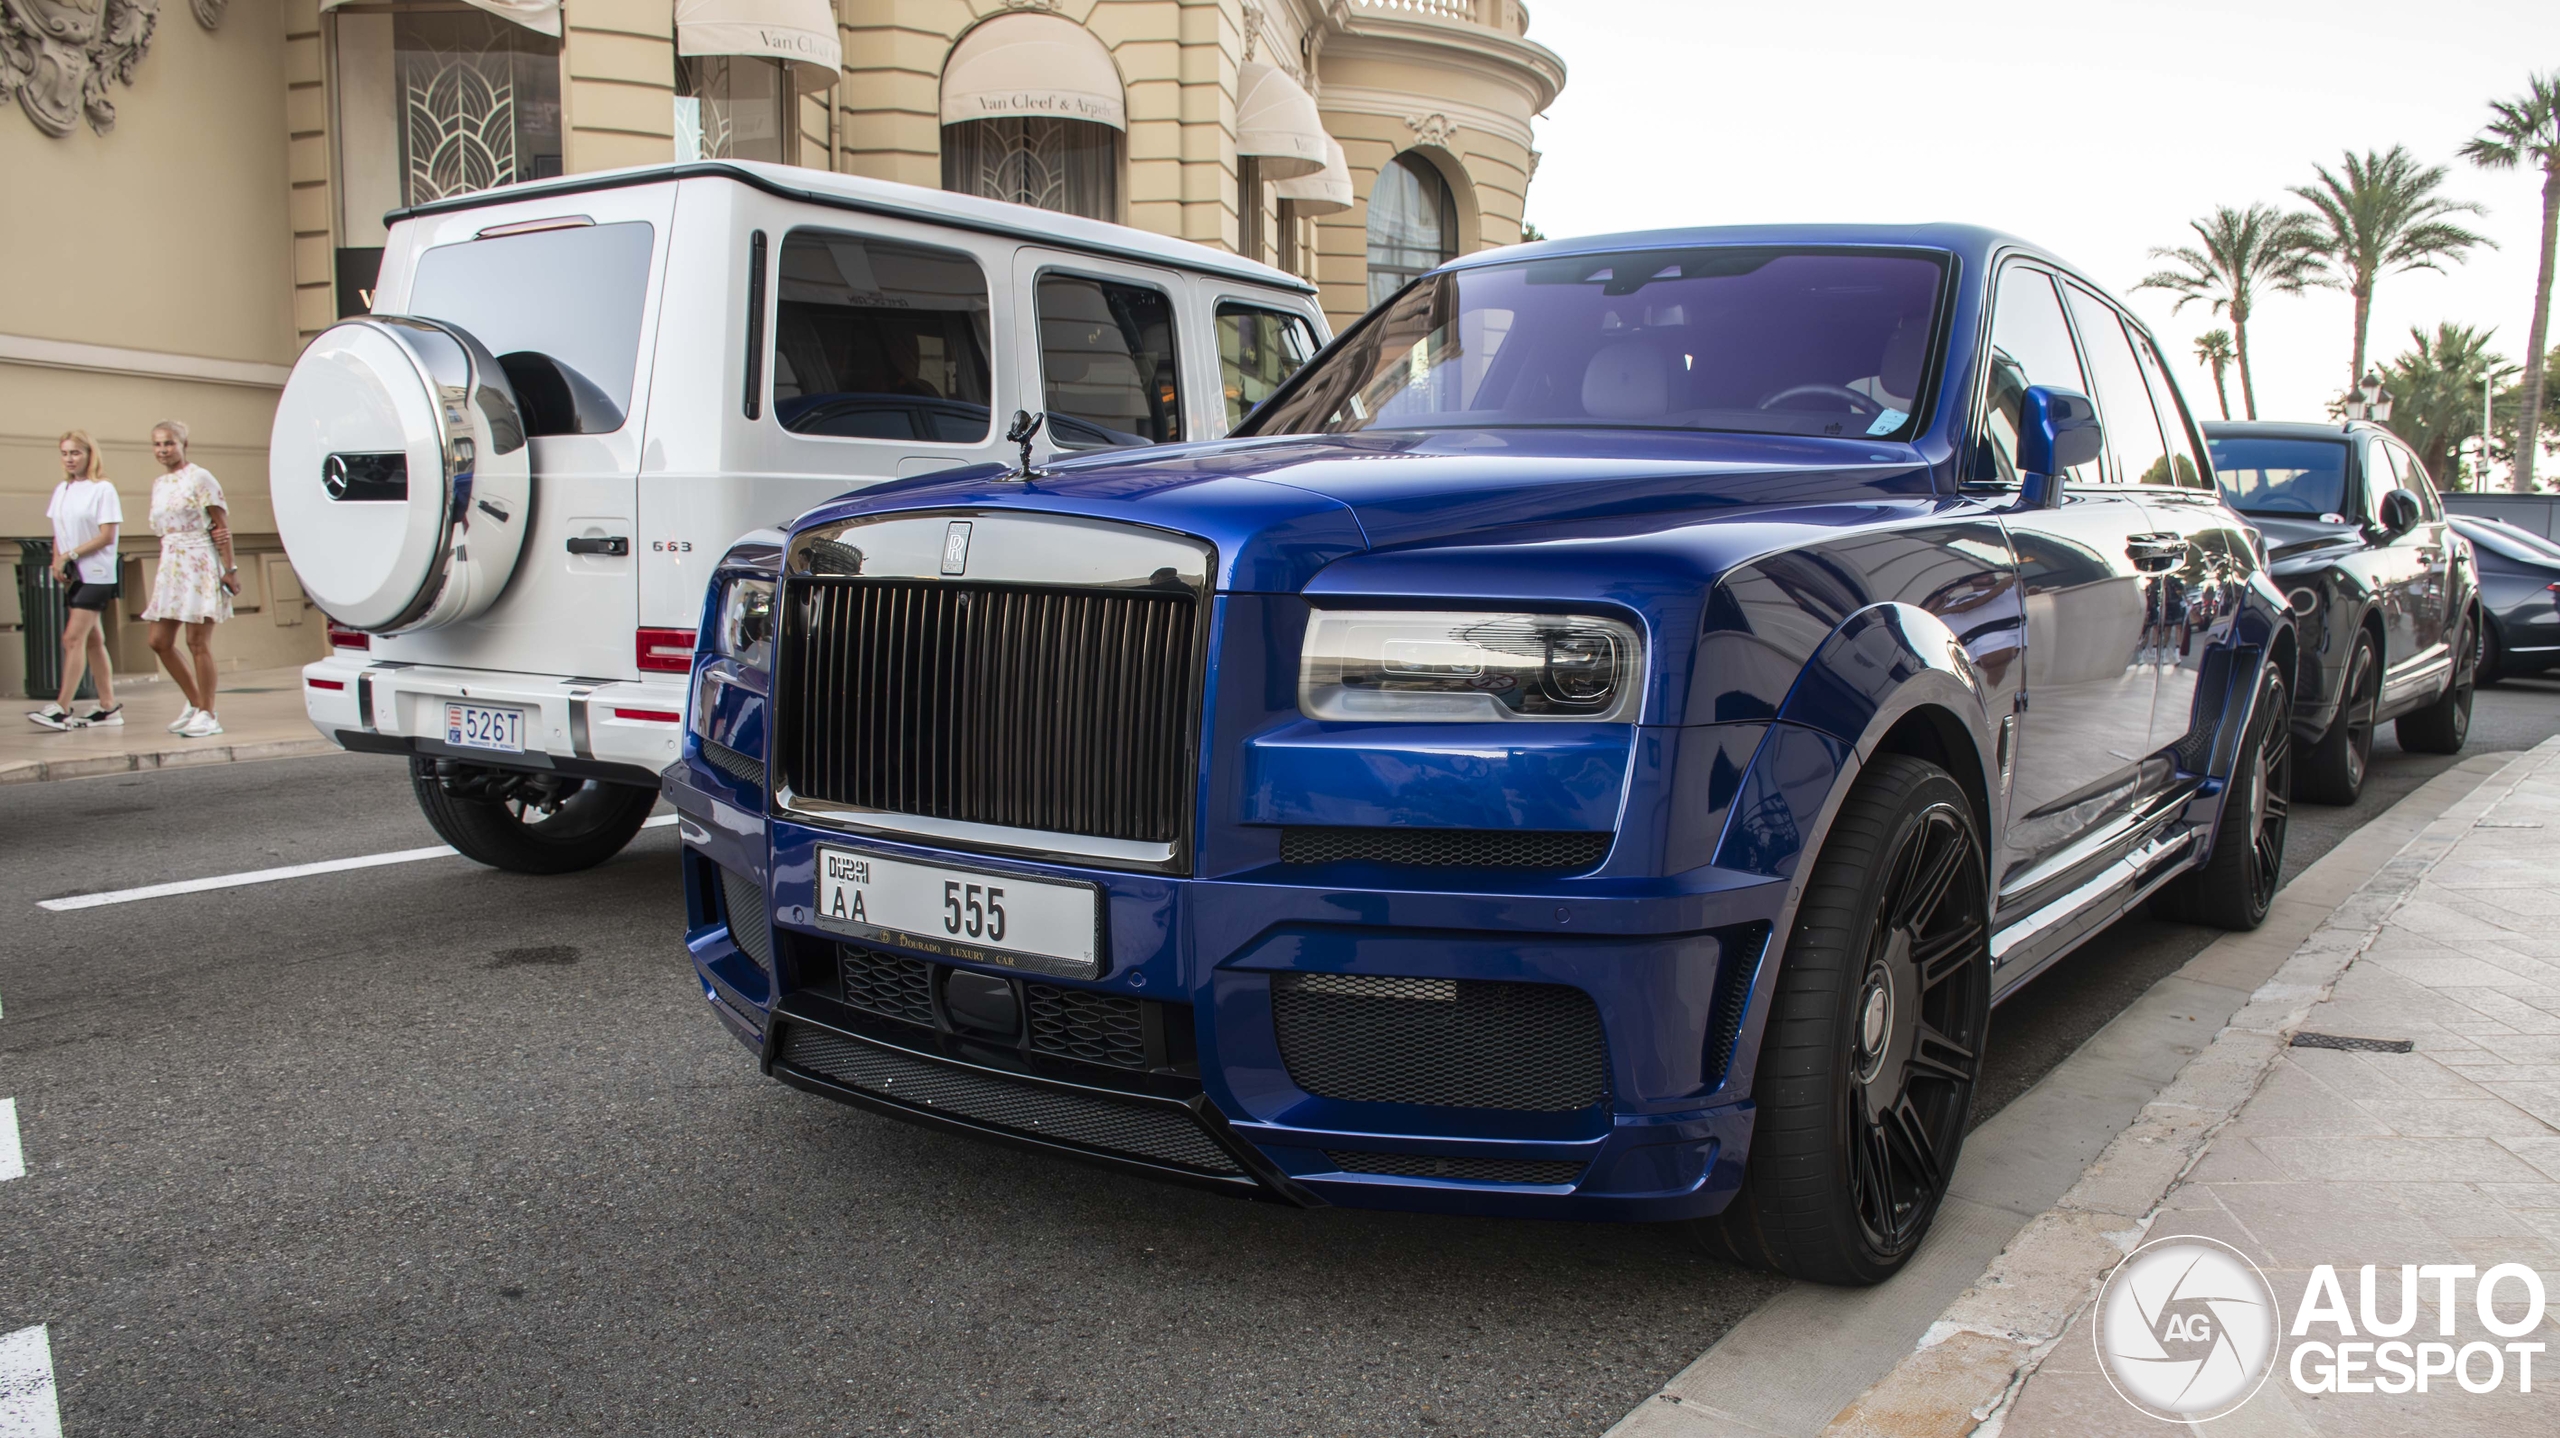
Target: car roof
<point>1971,241</point>
<point>2284,429</point>
<point>905,202</point>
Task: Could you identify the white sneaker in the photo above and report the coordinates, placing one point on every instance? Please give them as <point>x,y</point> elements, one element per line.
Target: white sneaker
<point>186,716</point>
<point>204,726</point>
<point>54,716</point>
<point>103,718</point>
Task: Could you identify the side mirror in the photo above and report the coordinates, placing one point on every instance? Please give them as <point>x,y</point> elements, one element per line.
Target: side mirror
<point>2057,429</point>
<point>2399,513</point>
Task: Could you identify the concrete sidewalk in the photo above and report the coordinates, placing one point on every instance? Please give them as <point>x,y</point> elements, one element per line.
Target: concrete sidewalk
<point>2298,1155</point>
<point>261,712</point>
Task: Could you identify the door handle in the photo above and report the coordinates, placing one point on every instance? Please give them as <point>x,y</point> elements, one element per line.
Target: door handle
<point>2151,552</point>
<point>615,545</point>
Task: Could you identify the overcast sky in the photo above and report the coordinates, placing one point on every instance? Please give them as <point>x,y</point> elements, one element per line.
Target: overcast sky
<point>2095,128</point>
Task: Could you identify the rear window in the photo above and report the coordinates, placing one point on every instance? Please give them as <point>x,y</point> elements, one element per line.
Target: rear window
<point>573,295</point>
<point>1257,350</point>
<point>874,339</point>
<point>1109,374</point>
<point>2523,546</point>
<point>2304,478</point>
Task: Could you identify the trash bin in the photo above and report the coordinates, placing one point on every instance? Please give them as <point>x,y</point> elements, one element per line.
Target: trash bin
<point>42,611</point>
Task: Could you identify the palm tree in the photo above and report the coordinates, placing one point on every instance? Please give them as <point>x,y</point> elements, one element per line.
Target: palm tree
<point>2244,253</point>
<point>2435,389</point>
<point>2381,215</point>
<point>2213,349</point>
<point>2526,131</point>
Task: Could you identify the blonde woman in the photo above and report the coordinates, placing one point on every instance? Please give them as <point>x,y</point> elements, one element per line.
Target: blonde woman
<point>191,592</point>
<point>86,517</point>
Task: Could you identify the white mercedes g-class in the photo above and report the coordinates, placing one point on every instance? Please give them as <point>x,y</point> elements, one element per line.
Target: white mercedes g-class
<point>507,484</point>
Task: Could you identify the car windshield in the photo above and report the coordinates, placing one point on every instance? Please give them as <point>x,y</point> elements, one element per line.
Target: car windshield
<point>2285,477</point>
<point>1760,340</point>
<point>2522,545</point>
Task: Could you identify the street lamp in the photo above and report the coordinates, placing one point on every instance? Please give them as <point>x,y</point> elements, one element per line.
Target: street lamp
<point>2370,400</point>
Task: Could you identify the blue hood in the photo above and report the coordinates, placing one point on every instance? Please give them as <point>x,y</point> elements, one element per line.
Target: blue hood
<point>1280,509</point>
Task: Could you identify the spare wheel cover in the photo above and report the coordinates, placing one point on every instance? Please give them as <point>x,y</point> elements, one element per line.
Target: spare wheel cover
<point>400,475</point>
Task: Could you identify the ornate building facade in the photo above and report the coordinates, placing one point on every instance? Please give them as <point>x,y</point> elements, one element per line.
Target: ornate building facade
<point>199,193</point>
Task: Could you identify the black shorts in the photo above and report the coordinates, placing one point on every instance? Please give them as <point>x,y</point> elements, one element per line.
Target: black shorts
<point>95,597</point>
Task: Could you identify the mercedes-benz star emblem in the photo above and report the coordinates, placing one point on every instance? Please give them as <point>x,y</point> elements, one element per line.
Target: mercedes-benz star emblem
<point>333,476</point>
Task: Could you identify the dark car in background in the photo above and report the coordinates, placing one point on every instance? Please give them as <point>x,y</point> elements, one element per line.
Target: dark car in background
<point>1594,745</point>
<point>2384,592</point>
<point>2519,598</point>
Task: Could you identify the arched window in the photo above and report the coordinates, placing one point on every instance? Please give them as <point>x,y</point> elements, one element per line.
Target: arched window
<point>1413,224</point>
<point>1071,166</point>
<point>1032,112</point>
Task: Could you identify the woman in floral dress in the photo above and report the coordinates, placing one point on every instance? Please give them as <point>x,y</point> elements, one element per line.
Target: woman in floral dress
<point>192,591</point>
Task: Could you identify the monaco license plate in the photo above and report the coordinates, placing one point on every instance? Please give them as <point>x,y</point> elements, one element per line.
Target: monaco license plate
<point>479,726</point>
<point>962,913</point>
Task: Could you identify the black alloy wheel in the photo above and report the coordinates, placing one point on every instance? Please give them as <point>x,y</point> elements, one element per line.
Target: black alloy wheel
<point>1874,1038</point>
<point>2333,772</point>
<point>2236,884</point>
<point>2443,726</point>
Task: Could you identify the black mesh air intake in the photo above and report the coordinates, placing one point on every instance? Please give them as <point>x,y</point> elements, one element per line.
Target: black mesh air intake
<point>887,985</point>
<point>1447,848</point>
<point>1739,963</point>
<point>750,923</point>
<point>1455,1042</point>
<point>745,768</point>
<point>1078,1117</point>
<point>1066,710</point>
<point>1080,1024</point>
<point>1477,1170</point>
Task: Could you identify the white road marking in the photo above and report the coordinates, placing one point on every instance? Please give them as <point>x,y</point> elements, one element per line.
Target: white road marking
<point>263,876</point>
<point>27,1405</point>
<point>13,1159</point>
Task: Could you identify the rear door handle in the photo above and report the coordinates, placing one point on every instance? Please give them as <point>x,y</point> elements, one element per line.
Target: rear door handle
<point>2155,551</point>
<point>615,545</point>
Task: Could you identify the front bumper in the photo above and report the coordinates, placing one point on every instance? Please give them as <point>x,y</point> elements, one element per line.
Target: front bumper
<point>623,730</point>
<point>1670,965</point>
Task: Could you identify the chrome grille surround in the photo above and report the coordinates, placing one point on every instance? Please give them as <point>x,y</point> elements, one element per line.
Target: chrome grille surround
<point>1122,566</point>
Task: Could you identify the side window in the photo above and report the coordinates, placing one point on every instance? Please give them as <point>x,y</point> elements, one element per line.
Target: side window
<point>2381,476</point>
<point>874,339</point>
<point>1107,363</point>
<point>2124,400</point>
<point>2187,467</point>
<point>2030,345</point>
<point>2413,478</point>
<point>1257,349</point>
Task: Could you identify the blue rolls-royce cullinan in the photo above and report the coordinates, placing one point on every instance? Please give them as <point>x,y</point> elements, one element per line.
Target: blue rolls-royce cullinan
<point>1596,743</point>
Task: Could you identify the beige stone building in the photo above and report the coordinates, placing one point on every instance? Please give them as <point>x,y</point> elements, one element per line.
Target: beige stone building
<point>197,188</point>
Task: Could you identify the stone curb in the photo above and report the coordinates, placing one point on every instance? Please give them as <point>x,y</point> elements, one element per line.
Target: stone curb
<point>33,771</point>
<point>1985,1345</point>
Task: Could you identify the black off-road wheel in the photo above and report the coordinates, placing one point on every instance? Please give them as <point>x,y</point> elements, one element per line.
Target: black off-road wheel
<point>2236,884</point>
<point>2441,727</point>
<point>2333,770</point>
<point>1874,1038</point>
<point>528,824</point>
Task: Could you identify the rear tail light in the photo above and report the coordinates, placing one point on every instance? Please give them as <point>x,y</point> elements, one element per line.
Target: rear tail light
<point>327,683</point>
<point>654,716</point>
<point>349,638</point>
<point>666,651</point>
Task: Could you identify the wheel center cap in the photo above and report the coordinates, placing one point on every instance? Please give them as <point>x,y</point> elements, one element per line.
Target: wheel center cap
<point>1875,1025</point>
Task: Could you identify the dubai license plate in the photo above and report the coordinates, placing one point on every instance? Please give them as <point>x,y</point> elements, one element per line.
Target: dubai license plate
<point>985,918</point>
<point>478,726</point>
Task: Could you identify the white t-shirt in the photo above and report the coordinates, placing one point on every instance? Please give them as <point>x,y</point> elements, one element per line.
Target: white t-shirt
<point>80,509</point>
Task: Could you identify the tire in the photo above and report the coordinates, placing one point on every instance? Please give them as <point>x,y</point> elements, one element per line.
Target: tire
<point>2333,770</point>
<point>2236,884</point>
<point>1862,1101</point>
<point>2487,654</point>
<point>555,829</point>
<point>2441,727</point>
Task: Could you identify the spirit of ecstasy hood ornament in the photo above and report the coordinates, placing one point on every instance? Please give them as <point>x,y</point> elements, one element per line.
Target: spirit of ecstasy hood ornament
<point>1025,425</point>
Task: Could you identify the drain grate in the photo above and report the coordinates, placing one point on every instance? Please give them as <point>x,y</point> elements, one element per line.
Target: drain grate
<point>2352,1045</point>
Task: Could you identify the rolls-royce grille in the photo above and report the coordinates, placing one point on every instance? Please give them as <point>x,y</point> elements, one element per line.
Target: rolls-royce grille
<point>1070,711</point>
<point>1477,1170</point>
<point>1463,1043</point>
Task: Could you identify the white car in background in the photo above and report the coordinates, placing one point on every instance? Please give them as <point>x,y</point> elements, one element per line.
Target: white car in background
<point>507,484</point>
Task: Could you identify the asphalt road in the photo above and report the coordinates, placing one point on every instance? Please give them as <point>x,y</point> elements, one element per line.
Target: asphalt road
<point>428,1149</point>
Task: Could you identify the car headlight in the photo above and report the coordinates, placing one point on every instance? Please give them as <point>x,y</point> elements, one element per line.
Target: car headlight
<point>745,632</point>
<point>1464,666</point>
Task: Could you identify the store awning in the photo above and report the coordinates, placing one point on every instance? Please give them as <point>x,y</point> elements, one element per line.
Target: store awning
<point>1276,123</point>
<point>542,15</point>
<point>1024,64</point>
<point>1327,191</point>
<point>802,33</point>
